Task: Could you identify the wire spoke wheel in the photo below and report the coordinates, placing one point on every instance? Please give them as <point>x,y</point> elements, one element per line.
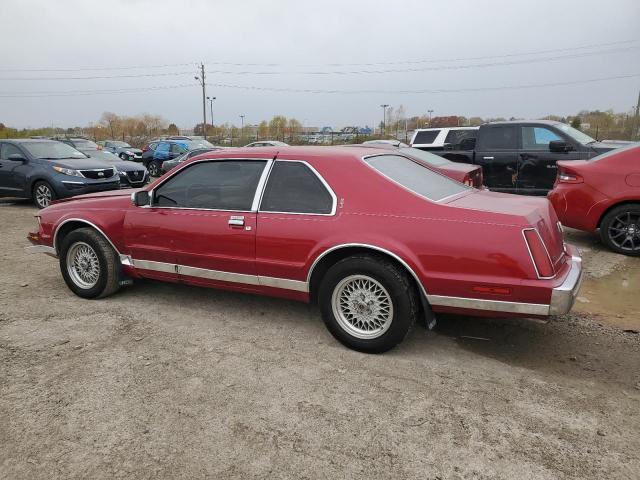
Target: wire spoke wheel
<point>43,195</point>
<point>624,231</point>
<point>362,306</point>
<point>83,265</point>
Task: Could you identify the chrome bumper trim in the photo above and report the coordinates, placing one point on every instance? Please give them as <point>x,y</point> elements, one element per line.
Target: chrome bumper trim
<point>489,305</point>
<point>42,249</point>
<point>564,296</point>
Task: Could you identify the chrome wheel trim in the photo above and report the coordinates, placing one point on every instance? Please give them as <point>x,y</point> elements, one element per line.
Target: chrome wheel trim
<point>153,170</point>
<point>362,307</point>
<point>83,265</point>
<point>43,195</point>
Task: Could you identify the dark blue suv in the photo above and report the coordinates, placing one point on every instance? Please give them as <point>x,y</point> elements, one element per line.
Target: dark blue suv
<point>44,170</point>
<point>167,150</point>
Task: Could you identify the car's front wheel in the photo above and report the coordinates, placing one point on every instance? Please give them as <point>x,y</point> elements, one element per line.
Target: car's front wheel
<point>620,229</point>
<point>368,303</point>
<point>89,264</point>
<point>124,156</point>
<point>42,194</point>
<point>155,168</point>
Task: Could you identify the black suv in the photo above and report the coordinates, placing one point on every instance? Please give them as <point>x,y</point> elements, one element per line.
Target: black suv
<point>44,170</point>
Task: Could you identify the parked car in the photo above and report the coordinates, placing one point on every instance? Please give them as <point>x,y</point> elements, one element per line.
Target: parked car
<point>602,194</point>
<point>169,165</point>
<point>461,172</point>
<point>132,174</point>
<point>267,143</point>
<point>375,237</point>
<point>446,138</point>
<point>123,150</point>
<point>167,150</point>
<point>79,143</point>
<point>45,170</point>
<point>520,156</point>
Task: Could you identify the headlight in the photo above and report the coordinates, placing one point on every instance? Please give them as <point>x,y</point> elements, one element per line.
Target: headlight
<point>129,153</point>
<point>68,171</point>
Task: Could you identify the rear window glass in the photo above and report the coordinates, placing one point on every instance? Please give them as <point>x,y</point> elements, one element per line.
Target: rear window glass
<point>426,136</point>
<point>426,157</point>
<point>415,177</point>
<point>616,151</point>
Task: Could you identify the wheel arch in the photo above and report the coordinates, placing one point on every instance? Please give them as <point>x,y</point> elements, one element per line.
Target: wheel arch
<point>616,205</point>
<point>332,255</point>
<point>69,225</point>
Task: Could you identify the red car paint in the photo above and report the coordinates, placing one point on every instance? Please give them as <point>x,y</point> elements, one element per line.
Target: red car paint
<point>468,253</point>
<point>586,190</point>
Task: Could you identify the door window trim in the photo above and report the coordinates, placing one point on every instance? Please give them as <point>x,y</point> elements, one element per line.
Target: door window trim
<point>334,198</point>
<point>261,183</point>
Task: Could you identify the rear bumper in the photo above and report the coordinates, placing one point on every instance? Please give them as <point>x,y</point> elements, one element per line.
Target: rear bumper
<point>563,296</point>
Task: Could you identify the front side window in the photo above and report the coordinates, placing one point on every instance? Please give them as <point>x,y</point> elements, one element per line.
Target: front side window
<point>6,150</point>
<point>537,138</point>
<point>500,138</point>
<point>175,148</point>
<point>294,188</point>
<point>216,185</point>
<point>415,177</point>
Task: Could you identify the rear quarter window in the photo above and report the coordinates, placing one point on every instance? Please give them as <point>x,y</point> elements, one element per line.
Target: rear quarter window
<point>415,177</point>
<point>426,137</point>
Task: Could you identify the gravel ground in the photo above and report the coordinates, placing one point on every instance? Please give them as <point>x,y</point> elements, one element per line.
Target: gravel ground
<point>168,381</point>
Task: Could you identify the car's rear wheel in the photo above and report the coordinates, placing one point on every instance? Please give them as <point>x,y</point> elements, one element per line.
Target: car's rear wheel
<point>620,229</point>
<point>42,194</point>
<point>89,264</point>
<point>368,303</point>
<point>155,168</point>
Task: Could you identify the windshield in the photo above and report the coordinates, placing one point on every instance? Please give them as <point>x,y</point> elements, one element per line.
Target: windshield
<point>121,144</point>
<point>197,144</point>
<point>52,150</point>
<point>86,144</point>
<point>426,157</point>
<point>102,155</point>
<point>415,177</point>
<point>577,135</point>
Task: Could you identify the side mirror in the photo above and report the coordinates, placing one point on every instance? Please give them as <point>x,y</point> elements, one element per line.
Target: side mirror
<point>558,146</point>
<point>17,157</point>
<point>140,198</point>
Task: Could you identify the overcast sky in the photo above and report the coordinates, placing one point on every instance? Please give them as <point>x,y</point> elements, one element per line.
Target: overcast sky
<point>302,36</point>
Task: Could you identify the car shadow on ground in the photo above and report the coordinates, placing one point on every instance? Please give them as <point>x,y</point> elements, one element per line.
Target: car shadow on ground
<point>17,203</point>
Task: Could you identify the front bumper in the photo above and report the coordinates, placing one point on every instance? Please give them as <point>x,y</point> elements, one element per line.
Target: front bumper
<point>564,296</point>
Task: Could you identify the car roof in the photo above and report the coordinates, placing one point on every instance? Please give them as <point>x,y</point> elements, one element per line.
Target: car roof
<point>534,122</point>
<point>29,140</point>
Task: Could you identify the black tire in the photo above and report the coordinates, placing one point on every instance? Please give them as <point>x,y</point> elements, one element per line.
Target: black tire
<point>155,168</point>
<point>620,229</point>
<point>395,282</point>
<point>124,156</point>
<point>39,196</point>
<point>109,264</point>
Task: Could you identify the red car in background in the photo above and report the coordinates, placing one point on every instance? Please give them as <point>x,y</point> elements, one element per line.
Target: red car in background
<point>602,193</point>
<point>373,236</point>
<point>461,172</point>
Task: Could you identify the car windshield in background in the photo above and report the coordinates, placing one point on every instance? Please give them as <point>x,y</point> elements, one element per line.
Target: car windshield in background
<point>577,135</point>
<point>415,177</point>
<point>52,150</point>
<point>121,144</point>
<point>426,157</point>
<point>197,144</point>
<point>427,136</point>
<point>102,155</point>
<point>85,144</point>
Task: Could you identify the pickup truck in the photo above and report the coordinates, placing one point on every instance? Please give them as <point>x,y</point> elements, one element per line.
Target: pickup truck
<point>520,156</point>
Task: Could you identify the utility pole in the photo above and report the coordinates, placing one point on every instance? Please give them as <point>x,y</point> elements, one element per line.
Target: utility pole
<point>429,112</point>
<point>384,119</point>
<point>241,128</point>
<point>202,80</point>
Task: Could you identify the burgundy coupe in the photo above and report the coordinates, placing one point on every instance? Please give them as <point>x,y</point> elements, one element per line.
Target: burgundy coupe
<point>374,236</point>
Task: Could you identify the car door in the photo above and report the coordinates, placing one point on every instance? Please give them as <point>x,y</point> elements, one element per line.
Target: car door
<point>297,204</point>
<point>200,225</point>
<point>537,167</point>
<point>497,153</point>
<point>162,151</point>
<point>13,173</point>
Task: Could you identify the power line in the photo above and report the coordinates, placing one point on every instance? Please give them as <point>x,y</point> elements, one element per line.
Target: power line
<point>100,77</point>
<point>424,69</point>
<point>73,93</point>
<point>431,91</point>
<point>95,69</point>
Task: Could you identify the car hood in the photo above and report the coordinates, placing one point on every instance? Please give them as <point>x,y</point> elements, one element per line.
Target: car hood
<point>126,166</point>
<point>81,163</point>
<point>106,194</point>
<point>137,151</point>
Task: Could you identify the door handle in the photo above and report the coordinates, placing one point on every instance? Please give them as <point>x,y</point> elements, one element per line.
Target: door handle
<point>487,158</point>
<point>236,221</point>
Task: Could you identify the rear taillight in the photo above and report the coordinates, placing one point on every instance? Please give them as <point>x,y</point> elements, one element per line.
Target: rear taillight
<point>566,175</point>
<point>468,181</point>
<point>539,254</point>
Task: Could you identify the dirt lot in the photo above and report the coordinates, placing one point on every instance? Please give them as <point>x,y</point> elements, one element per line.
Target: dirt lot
<point>166,381</point>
